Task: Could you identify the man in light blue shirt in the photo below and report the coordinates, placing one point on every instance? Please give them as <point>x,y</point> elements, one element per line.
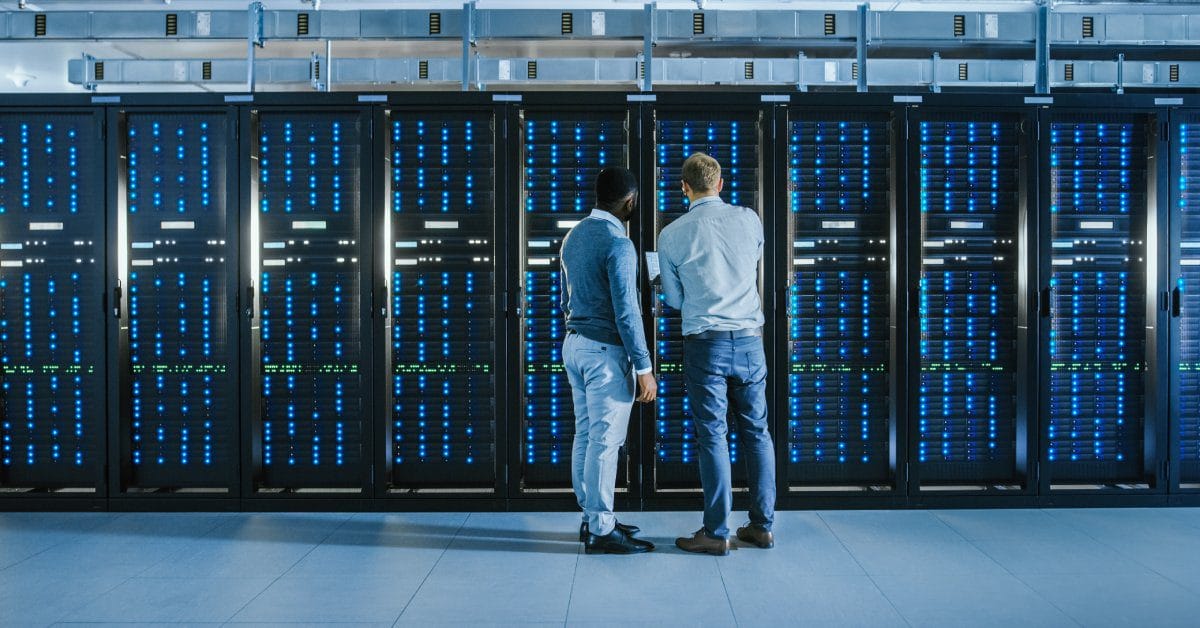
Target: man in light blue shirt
<point>709,259</point>
<point>604,350</point>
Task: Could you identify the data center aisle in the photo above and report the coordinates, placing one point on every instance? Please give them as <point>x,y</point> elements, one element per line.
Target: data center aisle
<point>876,568</point>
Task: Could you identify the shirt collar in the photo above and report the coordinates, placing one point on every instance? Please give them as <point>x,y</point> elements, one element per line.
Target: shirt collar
<point>603,215</point>
<point>704,200</point>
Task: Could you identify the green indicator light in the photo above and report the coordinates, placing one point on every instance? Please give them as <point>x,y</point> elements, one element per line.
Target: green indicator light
<point>804,367</point>
<point>440,369</point>
<point>544,368</point>
<point>301,369</point>
<point>181,369</point>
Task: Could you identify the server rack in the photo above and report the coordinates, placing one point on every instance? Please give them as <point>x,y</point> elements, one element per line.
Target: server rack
<point>1184,182</point>
<point>843,250</point>
<point>309,208</point>
<point>54,326</point>
<point>1098,304</point>
<point>972,224</point>
<point>441,269</point>
<point>562,147</point>
<point>734,137</point>
<point>178,427</point>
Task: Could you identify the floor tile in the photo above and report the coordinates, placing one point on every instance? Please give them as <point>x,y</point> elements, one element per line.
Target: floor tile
<point>935,599</point>
<point>1120,600</point>
<point>922,556</point>
<point>42,599</point>
<point>1003,523</point>
<point>807,600</point>
<point>1080,555</point>
<point>382,546</point>
<point>165,600</point>
<point>327,599</point>
<point>647,588</point>
<point>886,526</point>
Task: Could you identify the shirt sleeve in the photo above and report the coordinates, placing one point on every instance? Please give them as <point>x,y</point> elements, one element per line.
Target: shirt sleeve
<point>671,284</point>
<point>622,285</point>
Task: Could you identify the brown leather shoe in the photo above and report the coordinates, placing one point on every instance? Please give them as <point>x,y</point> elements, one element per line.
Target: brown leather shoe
<point>756,535</point>
<point>702,543</point>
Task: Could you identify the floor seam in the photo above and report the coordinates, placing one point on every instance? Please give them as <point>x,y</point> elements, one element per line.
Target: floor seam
<point>864,569</point>
<point>728,598</point>
<point>571,594</point>
<point>285,571</point>
<point>435,564</point>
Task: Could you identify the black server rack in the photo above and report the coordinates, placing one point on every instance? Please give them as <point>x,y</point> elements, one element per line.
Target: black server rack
<point>179,409</point>
<point>561,154</point>
<point>971,202</point>
<point>1097,199</point>
<point>1185,298</point>
<point>310,182</point>
<point>734,139</point>
<point>53,322</point>
<point>840,264</point>
<point>441,266</point>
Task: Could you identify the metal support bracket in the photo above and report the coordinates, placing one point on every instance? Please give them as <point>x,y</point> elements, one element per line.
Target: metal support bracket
<point>648,50</point>
<point>1119,87</point>
<point>468,41</point>
<point>1042,51</point>
<point>89,74</point>
<point>934,85</point>
<point>254,38</point>
<point>860,45</point>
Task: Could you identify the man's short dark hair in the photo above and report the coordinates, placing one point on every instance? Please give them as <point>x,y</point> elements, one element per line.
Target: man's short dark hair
<point>613,186</point>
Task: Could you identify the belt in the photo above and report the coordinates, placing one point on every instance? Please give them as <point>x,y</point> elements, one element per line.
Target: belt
<point>713,334</point>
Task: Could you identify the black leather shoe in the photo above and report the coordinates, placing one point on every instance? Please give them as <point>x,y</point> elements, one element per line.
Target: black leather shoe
<point>756,535</point>
<point>616,542</point>
<point>631,530</point>
<point>702,543</point>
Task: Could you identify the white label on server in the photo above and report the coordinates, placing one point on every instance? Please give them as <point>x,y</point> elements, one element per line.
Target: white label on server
<point>408,261</point>
<point>308,224</point>
<point>539,244</point>
<point>804,244</point>
<point>839,224</point>
<point>1189,262</point>
<point>505,70</point>
<point>966,224</point>
<point>12,264</point>
<point>991,25</point>
<point>203,23</point>
<point>1063,245</point>
<point>274,245</point>
<point>567,224</point>
<point>178,224</point>
<point>935,261</point>
<point>441,224</point>
<point>598,24</point>
<point>1148,72</point>
<point>406,244</point>
<point>1063,262</point>
<point>1095,224</point>
<point>539,261</point>
<point>831,71</point>
<point>11,246</point>
<point>142,245</point>
<point>141,262</point>
<point>1189,245</point>
<point>45,226</point>
<point>804,261</point>
<point>273,262</point>
<point>935,244</point>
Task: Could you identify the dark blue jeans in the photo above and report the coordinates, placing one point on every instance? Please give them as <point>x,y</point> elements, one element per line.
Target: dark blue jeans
<point>726,385</point>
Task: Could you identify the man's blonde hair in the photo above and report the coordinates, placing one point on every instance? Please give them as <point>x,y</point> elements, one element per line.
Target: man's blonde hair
<point>701,173</point>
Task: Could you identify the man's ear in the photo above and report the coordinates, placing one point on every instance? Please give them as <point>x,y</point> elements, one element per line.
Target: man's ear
<point>720,185</point>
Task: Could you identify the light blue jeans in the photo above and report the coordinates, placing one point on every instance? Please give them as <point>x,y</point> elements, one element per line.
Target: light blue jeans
<point>726,384</point>
<point>602,388</point>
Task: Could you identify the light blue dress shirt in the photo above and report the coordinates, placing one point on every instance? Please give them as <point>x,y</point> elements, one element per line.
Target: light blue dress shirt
<point>709,259</point>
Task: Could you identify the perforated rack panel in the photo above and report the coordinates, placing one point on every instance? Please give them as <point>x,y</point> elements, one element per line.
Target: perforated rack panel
<point>839,202</point>
<point>1187,152</point>
<point>561,156</point>
<point>310,321</point>
<point>733,140</point>
<point>181,405</point>
<point>443,336</point>
<point>1097,173</point>
<point>52,317</point>
<point>970,203</point>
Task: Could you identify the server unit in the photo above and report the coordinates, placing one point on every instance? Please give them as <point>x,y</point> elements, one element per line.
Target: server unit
<point>734,139</point>
<point>179,411</point>
<point>970,238</point>
<point>1098,198</point>
<point>841,262</point>
<point>312,397</point>
<point>1185,298</point>
<point>561,154</point>
<point>440,261</point>
<point>53,321</point>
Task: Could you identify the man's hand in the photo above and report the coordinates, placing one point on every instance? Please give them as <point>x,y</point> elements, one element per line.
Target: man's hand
<point>647,387</point>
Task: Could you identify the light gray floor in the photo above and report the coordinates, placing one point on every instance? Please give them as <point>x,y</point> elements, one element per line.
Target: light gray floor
<point>1118,567</point>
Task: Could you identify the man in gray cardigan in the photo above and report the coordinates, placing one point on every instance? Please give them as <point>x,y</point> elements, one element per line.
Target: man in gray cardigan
<point>604,352</point>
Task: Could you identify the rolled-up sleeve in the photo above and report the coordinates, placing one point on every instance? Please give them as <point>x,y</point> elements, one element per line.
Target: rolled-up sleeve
<point>622,285</point>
